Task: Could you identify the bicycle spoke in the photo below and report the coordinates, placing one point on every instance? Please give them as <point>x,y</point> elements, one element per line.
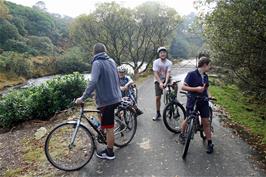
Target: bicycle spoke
<point>66,152</point>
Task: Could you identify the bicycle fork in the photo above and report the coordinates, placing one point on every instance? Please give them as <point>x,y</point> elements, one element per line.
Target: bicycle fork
<point>71,145</point>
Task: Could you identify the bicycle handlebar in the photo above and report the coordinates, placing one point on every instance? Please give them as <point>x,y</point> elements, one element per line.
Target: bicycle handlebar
<point>199,97</point>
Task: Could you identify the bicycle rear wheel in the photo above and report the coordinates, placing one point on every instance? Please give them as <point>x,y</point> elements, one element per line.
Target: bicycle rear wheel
<point>173,115</point>
<point>189,133</point>
<point>125,127</point>
<point>64,155</point>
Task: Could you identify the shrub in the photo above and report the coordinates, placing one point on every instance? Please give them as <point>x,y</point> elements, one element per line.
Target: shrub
<point>73,60</point>
<point>12,62</point>
<point>40,102</point>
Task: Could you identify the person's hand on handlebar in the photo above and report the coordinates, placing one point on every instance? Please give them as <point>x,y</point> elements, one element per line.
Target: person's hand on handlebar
<point>79,101</point>
<point>161,85</point>
<point>164,85</point>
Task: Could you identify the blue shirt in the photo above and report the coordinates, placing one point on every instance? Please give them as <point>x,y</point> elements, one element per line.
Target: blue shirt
<point>195,79</point>
<point>124,80</point>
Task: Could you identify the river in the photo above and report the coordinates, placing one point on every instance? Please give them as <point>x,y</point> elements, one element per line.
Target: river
<point>38,81</point>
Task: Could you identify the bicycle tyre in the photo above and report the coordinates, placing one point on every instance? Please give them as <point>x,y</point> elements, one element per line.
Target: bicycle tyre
<point>134,120</point>
<point>189,135</point>
<point>167,107</point>
<point>59,166</point>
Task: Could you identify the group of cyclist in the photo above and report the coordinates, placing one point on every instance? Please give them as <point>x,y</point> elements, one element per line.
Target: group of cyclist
<point>112,83</point>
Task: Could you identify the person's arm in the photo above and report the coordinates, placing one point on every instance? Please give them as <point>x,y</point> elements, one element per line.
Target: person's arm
<point>198,89</point>
<point>188,82</point>
<point>156,74</point>
<point>95,74</point>
<point>130,81</point>
<point>168,73</point>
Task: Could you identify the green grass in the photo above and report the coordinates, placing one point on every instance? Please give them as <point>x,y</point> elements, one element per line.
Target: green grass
<point>242,109</point>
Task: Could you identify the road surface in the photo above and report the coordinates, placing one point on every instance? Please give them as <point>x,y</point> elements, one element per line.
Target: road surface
<point>155,152</point>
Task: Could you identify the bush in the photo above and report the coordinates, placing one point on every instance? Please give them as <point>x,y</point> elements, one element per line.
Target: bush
<point>40,102</point>
<point>43,45</point>
<point>73,60</point>
<point>12,62</point>
<point>18,46</point>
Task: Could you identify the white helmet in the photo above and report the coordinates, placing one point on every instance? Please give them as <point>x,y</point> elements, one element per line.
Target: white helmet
<point>121,69</point>
<point>161,49</point>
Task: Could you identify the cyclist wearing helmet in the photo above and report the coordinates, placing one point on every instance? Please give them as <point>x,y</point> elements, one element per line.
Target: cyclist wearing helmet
<point>125,83</point>
<point>162,70</point>
<point>125,80</point>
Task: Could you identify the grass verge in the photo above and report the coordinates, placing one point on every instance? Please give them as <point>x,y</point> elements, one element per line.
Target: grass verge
<point>243,110</point>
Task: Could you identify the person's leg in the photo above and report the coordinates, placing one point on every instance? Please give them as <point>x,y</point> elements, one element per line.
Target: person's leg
<point>108,124</point>
<point>204,113</point>
<point>110,138</point>
<point>158,103</point>
<point>183,127</point>
<point>158,93</point>
<point>207,128</point>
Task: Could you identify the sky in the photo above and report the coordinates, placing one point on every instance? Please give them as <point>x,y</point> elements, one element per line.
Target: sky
<point>74,8</point>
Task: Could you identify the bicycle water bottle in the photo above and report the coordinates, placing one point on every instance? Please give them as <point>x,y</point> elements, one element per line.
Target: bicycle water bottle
<point>95,122</point>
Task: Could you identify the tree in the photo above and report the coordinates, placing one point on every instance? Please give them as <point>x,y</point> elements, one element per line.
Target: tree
<point>40,5</point>
<point>131,36</point>
<point>188,38</point>
<point>236,34</point>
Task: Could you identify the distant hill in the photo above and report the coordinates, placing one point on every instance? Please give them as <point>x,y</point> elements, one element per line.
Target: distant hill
<point>33,30</point>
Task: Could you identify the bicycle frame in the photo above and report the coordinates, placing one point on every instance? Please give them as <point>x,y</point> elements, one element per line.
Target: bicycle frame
<point>98,132</point>
<point>78,122</point>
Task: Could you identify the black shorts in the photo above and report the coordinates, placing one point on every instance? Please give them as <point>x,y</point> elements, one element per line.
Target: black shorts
<point>202,107</point>
<point>108,115</point>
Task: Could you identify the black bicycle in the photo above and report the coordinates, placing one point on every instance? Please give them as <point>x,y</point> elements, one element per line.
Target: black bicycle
<point>174,112</point>
<point>194,124</point>
<point>71,145</point>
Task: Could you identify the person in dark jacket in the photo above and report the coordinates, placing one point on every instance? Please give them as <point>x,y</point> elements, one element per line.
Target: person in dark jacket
<point>105,81</point>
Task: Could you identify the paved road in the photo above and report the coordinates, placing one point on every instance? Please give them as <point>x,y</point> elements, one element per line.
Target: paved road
<point>155,152</point>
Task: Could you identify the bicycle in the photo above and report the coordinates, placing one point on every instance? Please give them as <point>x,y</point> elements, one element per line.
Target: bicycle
<point>174,112</point>
<point>194,124</point>
<point>133,93</point>
<point>71,145</point>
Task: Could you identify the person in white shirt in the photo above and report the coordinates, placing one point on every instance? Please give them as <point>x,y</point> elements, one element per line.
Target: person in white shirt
<point>162,71</point>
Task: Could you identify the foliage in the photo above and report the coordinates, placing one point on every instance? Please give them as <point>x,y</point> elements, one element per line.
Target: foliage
<point>188,39</point>
<point>7,31</point>
<point>36,28</point>
<point>40,102</point>
<point>11,62</point>
<point>236,34</point>
<point>131,36</point>
<point>43,45</point>
<point>71,61</point>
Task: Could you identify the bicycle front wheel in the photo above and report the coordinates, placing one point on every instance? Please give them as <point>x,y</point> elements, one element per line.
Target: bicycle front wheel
<point>189,133</point>
<point>173,115</point>
<point>125,127</point>
<point>67,150</point>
